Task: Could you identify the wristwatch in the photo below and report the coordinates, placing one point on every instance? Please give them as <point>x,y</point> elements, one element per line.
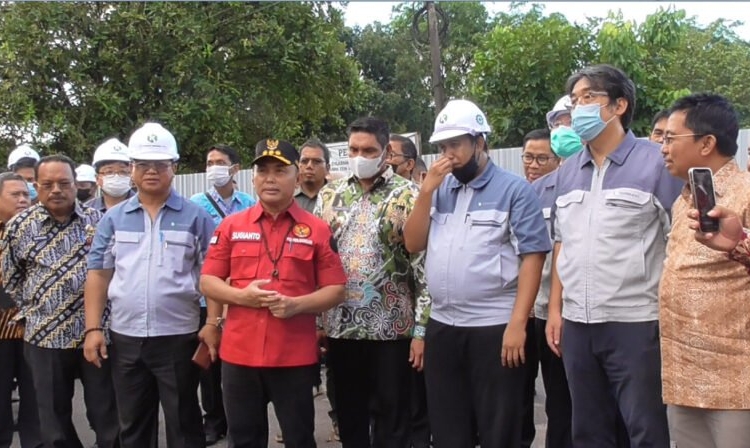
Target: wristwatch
<point>218,322</point>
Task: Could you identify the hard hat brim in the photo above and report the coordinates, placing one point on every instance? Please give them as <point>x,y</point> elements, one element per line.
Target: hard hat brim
<point>153,156</point>
<point>447,134</point>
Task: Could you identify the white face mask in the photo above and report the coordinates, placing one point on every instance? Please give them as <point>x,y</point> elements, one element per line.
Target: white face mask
<point>364,168</point>
<point>218,175</point>
<point>115,185</point>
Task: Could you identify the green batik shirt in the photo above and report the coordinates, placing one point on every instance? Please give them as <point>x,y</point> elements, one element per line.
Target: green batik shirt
<point>386,293</point>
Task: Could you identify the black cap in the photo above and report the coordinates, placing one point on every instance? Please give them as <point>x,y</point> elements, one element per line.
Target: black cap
<point>280,150</point>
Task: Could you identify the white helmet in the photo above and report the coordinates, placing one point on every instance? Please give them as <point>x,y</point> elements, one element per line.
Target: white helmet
<point>562,106</point>
<point>22,152</point>
<point>112,150</point>
<point>152,142</point>
<point>459,117</point>
<point>85,173</point>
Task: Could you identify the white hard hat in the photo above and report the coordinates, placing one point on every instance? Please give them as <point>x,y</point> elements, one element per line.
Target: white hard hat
<point>562,105</point>
<point>152,142</point>
<point>85,173</point>
<point>112,150</point>
<point>22,152</point>
<point>459,117</point>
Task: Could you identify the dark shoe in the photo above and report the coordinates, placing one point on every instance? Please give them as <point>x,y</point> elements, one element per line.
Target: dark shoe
<point>212,438</point>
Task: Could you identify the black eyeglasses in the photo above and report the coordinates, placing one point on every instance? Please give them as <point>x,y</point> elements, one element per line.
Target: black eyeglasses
<point>542,160</point>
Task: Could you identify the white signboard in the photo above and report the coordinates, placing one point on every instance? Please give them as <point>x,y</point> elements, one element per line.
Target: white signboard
<point>340,153</point>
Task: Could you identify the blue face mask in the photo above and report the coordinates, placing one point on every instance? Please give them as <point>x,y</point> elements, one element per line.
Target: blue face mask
<point>32,191</point>
<point>587,121</point>
<point>565,142</point>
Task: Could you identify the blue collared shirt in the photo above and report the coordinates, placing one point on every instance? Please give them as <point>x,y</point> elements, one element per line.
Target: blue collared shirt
<point>478,233</point>
<point>545,189</point>
<point>98,202</point>
<point>154,289</point>
<point>238,202</point>
<point>613,222</point>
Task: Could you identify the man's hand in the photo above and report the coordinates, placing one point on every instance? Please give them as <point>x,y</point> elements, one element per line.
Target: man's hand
<point>95,348</point>
<point>281,306</point>
<point>730,229</point>
<point>253,294</point>
<point>553,331</point>
<point>211,336</point>
<point>435,175</point>
<point>416,354</point>
<point>514,341</point>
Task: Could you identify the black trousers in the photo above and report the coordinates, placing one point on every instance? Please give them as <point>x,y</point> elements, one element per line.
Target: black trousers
<point>214,420</point>
<point>613,370</point>
<point>364,371</point>
<point>54,372</point>
<point>528,431</point>
<point>147,371</point>
<point>248,390</point>
<point>16,369</point>
<point>557,404</point>
<point>420,422</point>
<point>465,378</point>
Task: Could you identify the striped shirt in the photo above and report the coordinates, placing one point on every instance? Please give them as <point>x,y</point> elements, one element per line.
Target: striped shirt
<point>44,271</point>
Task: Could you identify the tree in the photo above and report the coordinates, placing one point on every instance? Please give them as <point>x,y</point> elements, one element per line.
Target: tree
<point>217,72</point>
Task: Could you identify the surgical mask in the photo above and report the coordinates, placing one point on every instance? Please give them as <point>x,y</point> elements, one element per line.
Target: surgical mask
<point>468,172</point>
<point>587,121</point>
<point>218,175</point>
<point>115,185</point>
<point>32,191</point>
<point>364,168</point>
<point>83,194</point>
<point>565,142</point>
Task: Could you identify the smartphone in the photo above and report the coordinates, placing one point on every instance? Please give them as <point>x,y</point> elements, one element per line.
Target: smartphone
<point>704,199</point>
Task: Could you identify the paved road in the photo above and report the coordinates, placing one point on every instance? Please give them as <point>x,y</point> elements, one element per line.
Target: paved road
<point>322,423</point>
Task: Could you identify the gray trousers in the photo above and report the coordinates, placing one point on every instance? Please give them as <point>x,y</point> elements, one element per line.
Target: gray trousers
<point>709,428</point>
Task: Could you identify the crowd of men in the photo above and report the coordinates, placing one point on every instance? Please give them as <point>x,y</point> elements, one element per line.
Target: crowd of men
<point>433,294</point>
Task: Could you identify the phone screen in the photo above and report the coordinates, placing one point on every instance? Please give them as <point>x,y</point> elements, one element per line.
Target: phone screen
<point>702,186</point>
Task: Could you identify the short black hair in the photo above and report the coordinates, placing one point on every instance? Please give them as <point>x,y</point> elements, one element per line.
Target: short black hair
<point>371,125</point>
<point>62,158</point>
<point>9,176</point>
<point>612,80</point>
<point>228,151</point>
<point>711,114</point>
<point>661,115</point>
<point>24,162</point>
<point>407,146</point>
<point>536,134</point>
<point>315,143</point>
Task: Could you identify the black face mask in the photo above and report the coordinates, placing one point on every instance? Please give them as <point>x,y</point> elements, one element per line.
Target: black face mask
<point>468,172</point>
<point>83,195</point>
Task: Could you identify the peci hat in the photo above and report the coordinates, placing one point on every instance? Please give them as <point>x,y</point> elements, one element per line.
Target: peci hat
<point>152,142</point>
<point>280,150</point>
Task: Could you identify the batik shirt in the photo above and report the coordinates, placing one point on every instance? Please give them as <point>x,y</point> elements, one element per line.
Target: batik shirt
<point>44,271</point>
<point>386,294</point>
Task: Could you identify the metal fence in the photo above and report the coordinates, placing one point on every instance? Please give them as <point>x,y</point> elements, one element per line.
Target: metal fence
<point>508,158</point>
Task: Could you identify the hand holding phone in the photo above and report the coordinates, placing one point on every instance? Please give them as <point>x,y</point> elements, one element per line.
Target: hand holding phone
<point>704,199</point>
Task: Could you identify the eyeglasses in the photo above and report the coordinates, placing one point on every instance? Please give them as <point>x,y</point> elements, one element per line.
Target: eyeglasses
<point>49,186</point>
<point>159,167</point>
<point>211,163</point>
<point>105,173</point>
<point>586,98</point>
<point>669,139</point>
<point>314,162</point>
<point>393,155</point>
<point>542,160</point>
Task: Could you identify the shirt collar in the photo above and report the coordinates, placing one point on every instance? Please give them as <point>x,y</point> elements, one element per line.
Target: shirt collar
<point>299,190</point>
<point>77,211</point>
<point>294,210</point>
<point>478,182</point>
<point>216,195</point>
<point>618,156</point>
<point>173,202</point>
<point>384,177</point>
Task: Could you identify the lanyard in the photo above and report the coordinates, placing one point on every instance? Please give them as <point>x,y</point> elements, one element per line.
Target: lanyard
<point>274,259</point>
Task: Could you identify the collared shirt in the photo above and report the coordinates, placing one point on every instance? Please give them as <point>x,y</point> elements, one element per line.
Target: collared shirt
<point>44,271</point>
<point>704,320</point>
<point>613,223</point>
<point>238,202</point>
<point>386,294</point>
<point>305,201</point>
<point>154,287</point>
<point>545,190</point>
<point>477,234</point>
<point>306,261</point>
<point>99,204</point>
